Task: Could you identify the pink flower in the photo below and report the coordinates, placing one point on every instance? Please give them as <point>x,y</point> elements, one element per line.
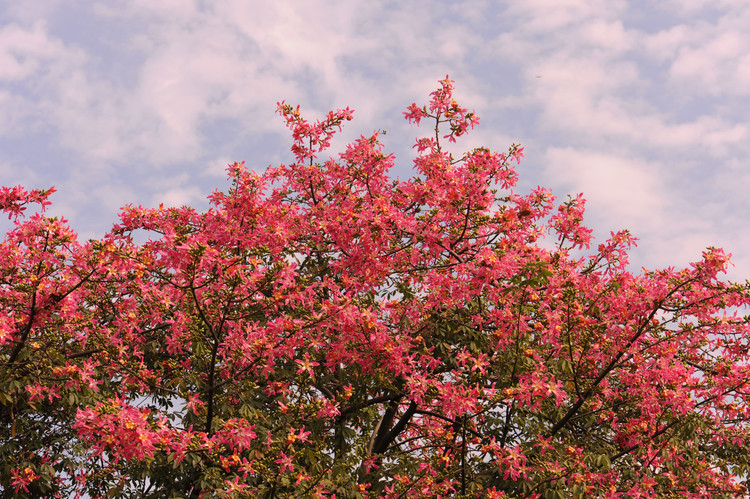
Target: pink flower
<point>22,478</point>
<point>285,462</point>
<point>306,365</point>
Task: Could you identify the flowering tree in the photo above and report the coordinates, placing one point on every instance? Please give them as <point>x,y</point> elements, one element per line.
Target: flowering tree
<point>323,330</point>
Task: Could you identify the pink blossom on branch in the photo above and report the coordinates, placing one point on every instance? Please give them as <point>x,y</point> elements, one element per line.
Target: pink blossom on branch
<point>325,330</point>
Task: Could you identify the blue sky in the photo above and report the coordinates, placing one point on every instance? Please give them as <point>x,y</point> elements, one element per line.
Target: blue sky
<point>642,106</point>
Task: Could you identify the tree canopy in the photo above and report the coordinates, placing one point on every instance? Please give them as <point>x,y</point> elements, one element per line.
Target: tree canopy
<point>323,330</point>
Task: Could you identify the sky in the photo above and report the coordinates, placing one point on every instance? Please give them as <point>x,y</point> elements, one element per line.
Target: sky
<point>642,106</point>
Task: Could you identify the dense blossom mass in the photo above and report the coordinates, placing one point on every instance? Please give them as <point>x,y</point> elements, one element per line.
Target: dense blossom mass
<point>326,331</point>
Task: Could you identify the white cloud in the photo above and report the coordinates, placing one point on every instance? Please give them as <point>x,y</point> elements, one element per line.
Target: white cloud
<point>29,12</point>
<point>685,8</point>
<point>706,57</point>
<point>23,51</point>
<point>179,197</point>
<point>619,189</point>
<point>218,166</point>
<point>28,55</point>
<point>548,16</point>
<point>588,81</point>
<point>608,35</point>
<point>230,60</point>
<point>12,111</point>
<point>719,65</point>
